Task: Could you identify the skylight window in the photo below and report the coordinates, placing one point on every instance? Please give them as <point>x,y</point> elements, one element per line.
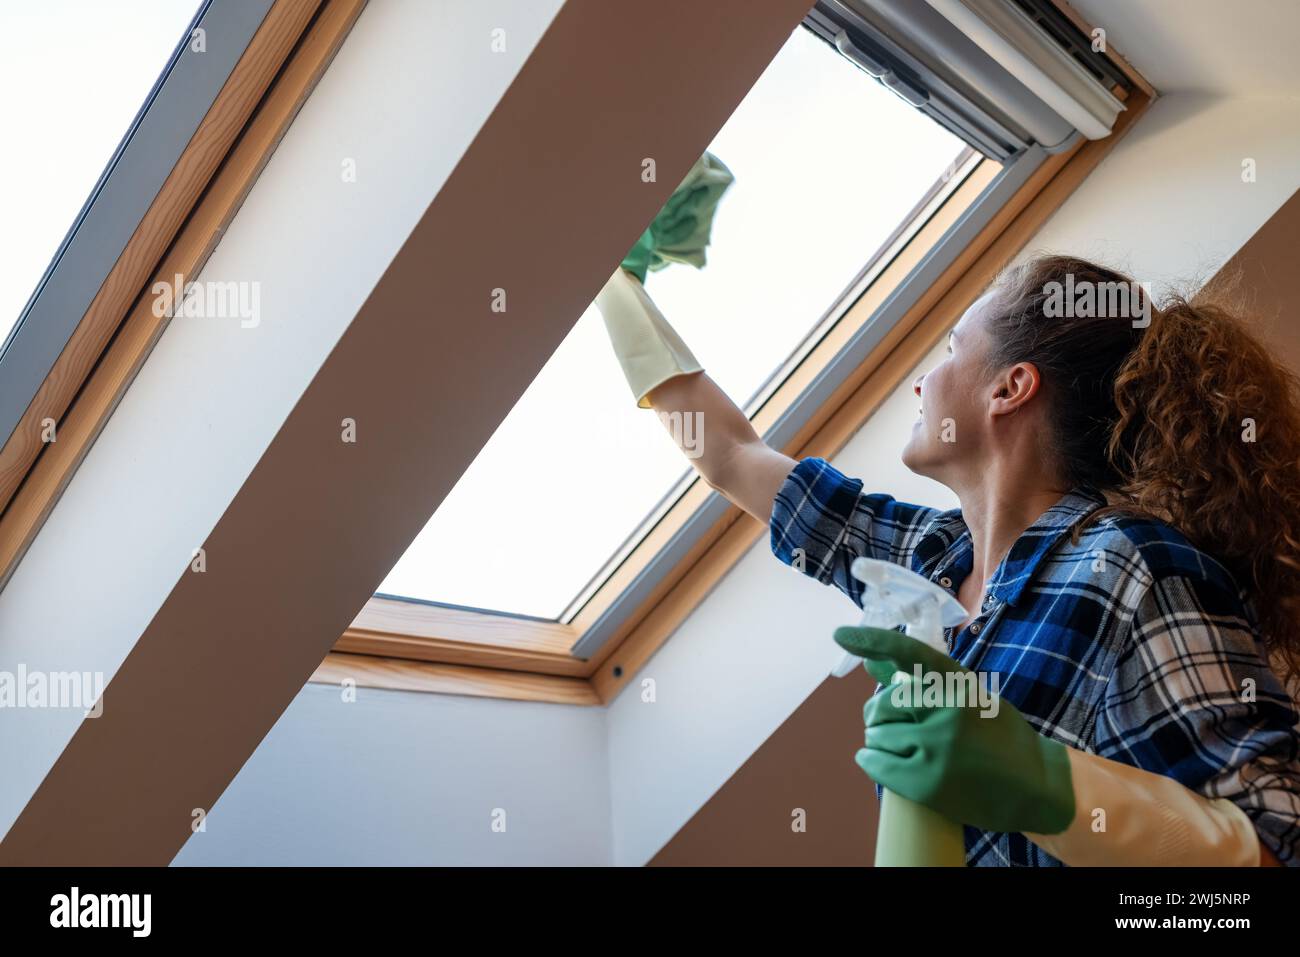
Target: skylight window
<point>93,65</point>
<point>828,164</point>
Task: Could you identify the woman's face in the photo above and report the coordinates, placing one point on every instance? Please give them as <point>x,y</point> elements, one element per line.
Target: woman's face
<point>950,433</point>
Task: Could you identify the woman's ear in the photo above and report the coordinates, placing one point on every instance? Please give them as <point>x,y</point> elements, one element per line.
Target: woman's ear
<point>1015,387</point>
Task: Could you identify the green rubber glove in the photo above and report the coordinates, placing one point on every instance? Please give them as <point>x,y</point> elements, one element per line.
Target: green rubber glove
<point>680,231</point>
<point>989,770</point>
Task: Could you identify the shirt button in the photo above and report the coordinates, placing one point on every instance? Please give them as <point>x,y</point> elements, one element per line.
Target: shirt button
<point>946,582</point>
<point>988,602</point>
<point>975,628</point>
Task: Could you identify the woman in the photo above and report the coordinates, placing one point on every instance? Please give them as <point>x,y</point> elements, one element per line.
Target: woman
<point>1127,546</point>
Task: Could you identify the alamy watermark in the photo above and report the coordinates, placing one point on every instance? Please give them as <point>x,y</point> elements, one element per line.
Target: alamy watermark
<point>1098,300</point>
<point>128,911</point>
<point>947,689</point>
<point>53,689</point>
<point>240,300</point>
<point>685,428</point>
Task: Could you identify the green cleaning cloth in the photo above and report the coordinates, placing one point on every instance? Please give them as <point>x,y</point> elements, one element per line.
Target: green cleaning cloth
<point>680,232</point>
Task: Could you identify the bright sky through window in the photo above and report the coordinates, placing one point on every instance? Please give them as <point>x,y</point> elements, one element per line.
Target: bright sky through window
<point>75,73</point>
<point>827,165</point>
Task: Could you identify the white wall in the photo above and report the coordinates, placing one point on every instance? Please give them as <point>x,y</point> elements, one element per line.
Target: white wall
<point>1169,205</point>
<point>402,778</point>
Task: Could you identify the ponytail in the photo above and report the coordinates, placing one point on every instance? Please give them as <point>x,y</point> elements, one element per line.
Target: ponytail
<point>1208,439</point>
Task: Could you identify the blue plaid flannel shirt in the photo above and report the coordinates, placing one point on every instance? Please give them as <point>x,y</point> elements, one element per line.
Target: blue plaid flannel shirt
<point>1131,644</point>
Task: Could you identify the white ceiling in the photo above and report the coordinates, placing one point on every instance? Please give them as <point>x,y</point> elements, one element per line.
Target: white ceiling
<point>1232,47</point>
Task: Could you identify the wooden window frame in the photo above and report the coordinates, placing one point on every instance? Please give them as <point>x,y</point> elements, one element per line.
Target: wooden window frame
<point>424,646</point>
<point>279,68</point>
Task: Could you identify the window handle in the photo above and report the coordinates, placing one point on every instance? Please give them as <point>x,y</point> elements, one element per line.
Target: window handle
<point>909,93</point>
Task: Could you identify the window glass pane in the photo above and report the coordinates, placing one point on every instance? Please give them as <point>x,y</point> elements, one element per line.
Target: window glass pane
<point>827,164</point>
<point>75,73</point>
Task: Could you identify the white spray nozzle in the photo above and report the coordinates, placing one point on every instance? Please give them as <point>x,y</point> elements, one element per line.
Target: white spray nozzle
<point>895,596</point>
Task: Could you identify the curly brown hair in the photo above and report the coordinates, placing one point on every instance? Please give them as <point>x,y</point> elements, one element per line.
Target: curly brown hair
<point>1186,418</point>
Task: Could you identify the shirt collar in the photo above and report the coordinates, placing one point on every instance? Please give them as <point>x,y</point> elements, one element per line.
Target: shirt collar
<point>1021,563</point>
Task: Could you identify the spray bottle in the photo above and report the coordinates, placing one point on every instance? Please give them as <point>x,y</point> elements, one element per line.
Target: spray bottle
<point>909,834</point>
